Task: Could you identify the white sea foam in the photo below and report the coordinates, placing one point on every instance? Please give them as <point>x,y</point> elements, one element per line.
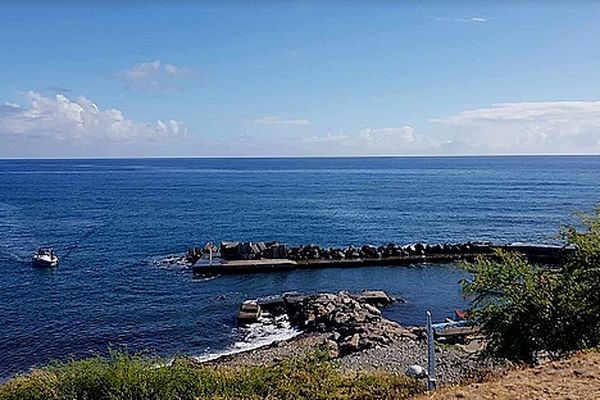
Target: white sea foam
<point>170,261</point>
<point>206,278</point>
<point>262,333</point>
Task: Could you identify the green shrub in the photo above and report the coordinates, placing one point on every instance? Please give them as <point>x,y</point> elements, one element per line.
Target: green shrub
<point>125,377</point>
<point>514,302</point>
<point>526,309</point>
<point>580,286</point>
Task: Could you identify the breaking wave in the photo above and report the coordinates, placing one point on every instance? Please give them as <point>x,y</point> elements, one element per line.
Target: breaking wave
<point>266,331</point>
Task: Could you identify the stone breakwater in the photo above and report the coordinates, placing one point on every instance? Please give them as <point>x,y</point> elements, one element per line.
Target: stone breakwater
<point>235,251</point>
<point>247,257</point>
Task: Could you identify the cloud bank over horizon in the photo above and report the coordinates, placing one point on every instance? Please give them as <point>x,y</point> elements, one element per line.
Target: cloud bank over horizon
<point>60,126</point>
<point>373,141</point>
<point>561,127</point>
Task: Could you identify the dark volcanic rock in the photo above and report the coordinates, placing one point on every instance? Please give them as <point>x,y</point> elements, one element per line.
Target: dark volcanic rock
<point>354,320</point>
<point>376,297</point>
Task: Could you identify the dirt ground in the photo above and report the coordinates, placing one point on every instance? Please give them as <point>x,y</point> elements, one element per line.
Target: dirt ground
<point>577,377</point>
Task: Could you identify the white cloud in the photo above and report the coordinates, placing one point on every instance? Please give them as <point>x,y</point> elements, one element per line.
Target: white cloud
<point>274,120</point>
<point>467,19</point>
<point>153,76</point>
<point>403,140</point>
<point>371,141</point>
<point>142,71</point>
<point>60,119</point>
<point>404,135</point>
<point>542,127</point>
<point>329,139</point>
<point>175,71</point>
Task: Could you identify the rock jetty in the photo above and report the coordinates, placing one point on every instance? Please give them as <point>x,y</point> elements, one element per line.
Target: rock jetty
<point>276,250</point>
<point>247,257</point>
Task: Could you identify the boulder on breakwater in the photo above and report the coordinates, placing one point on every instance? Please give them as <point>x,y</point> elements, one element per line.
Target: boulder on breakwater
<point>391,250</point>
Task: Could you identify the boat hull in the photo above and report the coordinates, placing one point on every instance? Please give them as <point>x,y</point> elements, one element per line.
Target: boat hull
<point>41,263</point>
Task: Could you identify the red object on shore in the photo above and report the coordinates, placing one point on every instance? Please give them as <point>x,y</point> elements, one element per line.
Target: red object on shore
<point>460,315</point>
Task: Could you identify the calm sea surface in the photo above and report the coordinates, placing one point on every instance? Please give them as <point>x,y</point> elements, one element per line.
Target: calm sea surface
<point>112,219</point>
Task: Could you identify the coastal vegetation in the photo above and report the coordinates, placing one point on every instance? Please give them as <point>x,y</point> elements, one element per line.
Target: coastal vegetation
<point>121,376</point>
<point>530,311</point>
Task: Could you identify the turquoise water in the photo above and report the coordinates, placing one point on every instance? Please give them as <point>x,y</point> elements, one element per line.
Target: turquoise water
<point>110,220</point>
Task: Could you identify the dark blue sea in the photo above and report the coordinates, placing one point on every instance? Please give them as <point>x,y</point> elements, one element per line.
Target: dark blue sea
<point>112,220</point>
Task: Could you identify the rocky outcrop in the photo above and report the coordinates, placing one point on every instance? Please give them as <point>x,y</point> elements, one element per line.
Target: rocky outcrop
<point>354,321</point>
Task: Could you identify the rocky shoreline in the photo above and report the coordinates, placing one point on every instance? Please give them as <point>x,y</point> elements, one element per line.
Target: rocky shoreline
<point>356,336</point>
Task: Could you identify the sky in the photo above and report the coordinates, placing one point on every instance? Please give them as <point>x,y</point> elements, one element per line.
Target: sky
<point>298,78</point>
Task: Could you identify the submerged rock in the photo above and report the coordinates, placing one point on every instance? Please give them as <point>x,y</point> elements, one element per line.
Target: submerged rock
<point>377,297</point>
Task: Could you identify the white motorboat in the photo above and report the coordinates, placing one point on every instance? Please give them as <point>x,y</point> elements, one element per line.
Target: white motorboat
<point>44,258</point>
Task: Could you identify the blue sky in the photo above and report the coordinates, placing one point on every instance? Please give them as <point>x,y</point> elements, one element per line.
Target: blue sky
<point>298,78</point>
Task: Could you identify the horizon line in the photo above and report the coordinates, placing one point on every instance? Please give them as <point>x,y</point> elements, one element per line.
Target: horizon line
<point>309,156</point>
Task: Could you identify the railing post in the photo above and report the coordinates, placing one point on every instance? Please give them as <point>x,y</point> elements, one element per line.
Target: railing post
<point>431,380</point>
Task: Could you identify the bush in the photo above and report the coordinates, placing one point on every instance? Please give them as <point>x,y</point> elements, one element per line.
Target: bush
<point>514,303</point>
<point>125,377</point>
<point>580,286</point>
<point>526,309</point>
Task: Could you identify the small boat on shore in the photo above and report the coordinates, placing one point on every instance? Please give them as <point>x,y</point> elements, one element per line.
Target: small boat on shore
<point>44,258</point>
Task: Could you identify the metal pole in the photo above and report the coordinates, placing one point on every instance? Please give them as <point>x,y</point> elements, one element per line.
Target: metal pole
<point>431,381</point>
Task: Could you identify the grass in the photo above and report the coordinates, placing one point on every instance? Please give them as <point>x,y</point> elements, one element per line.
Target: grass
<point>121,376</point>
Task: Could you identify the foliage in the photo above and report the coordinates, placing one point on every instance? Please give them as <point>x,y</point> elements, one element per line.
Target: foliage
<point>580,292</point>
<point>513,301</point>
<point>129,377</point>
<point>526,310</point>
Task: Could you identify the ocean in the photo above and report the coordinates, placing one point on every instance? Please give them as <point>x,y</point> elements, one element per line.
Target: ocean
<point>112,220</point>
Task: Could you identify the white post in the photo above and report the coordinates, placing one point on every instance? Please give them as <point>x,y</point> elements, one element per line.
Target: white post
<point>431,381</point>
